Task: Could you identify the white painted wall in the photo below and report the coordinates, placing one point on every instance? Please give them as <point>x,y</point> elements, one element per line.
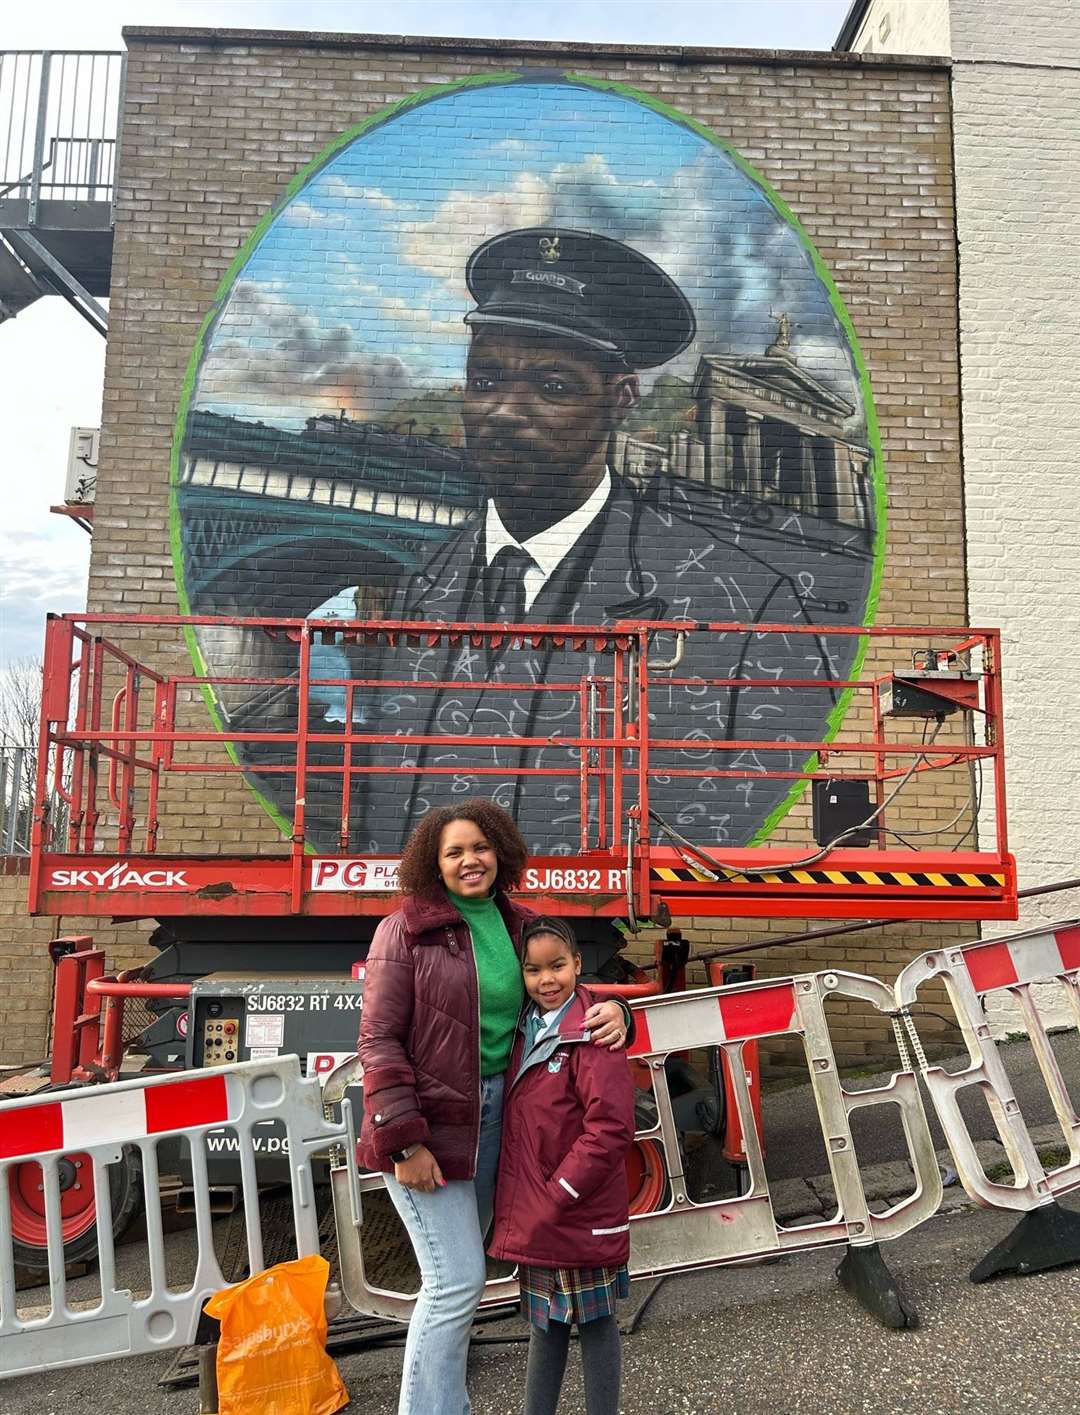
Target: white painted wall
<point>1016,115</point>
<point>1016,138</point>
<point>904,27</point>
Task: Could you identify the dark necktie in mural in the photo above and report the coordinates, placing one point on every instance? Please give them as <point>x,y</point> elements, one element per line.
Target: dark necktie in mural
<point>533,351</point>
<point>504,585</point>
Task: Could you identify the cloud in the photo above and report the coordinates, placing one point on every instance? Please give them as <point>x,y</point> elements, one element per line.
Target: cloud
<point>742,267</point>
<point>53,364</point>
<point>338,189</point>
<point>43,572</point>
<point>442,245</point>
<point>588,195</point>
<point>406,312</point>
<point>739,263</point>
<point>268,357</point>
<point>44,567</point>
<point>585,194</point>
<point>302,213</point>
<point>337,200</point>
<point>508,146</point>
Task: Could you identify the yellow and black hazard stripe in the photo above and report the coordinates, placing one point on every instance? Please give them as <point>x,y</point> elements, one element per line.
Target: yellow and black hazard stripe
<point>891,879</point>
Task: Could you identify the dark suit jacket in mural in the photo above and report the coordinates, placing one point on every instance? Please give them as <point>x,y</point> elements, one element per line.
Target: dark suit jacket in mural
<point>635,561</point>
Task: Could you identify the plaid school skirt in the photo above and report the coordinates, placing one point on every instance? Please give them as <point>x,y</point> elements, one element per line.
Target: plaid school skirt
<point>570,1294</point>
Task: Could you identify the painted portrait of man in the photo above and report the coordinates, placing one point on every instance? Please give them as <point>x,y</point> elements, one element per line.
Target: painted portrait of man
<point>564,321</point>
<point>529,351</point>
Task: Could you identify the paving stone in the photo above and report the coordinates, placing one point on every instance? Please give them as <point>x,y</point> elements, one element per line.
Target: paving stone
<point>793,1198</point>
<point>1049,1136</point>
<point>888,1181</point>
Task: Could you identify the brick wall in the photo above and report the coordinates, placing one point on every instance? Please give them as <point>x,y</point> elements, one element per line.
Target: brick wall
<point>26,970</point>
<point>216,125</point>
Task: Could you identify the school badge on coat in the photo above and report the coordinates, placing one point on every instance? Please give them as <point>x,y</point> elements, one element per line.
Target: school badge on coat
<point>555,1064</point>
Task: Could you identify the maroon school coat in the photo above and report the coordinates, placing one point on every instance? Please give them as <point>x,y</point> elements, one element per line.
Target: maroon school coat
<point>568,1121</point>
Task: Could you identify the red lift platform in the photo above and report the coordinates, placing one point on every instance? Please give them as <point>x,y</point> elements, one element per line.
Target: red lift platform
<point>123,734</point>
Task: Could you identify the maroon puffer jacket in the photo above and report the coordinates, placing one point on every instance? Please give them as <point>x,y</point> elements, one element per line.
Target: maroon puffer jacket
<point>568,1121</point>
<point>420,1034</point>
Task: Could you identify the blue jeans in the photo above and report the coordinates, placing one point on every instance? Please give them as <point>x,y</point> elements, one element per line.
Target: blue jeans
<point>447,1231</point>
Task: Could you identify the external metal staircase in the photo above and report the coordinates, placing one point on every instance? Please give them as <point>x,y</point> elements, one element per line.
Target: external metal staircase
<point>59,134</point>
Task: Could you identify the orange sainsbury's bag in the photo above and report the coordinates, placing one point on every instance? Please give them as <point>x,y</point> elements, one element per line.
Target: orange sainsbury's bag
<point>271,1357</point>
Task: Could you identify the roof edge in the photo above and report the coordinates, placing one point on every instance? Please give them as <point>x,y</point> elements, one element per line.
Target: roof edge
<point>676,54</point>
<point>850,28</point>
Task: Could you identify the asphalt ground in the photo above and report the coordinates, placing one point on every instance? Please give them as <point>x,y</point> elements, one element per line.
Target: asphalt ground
<point>780,1338</point>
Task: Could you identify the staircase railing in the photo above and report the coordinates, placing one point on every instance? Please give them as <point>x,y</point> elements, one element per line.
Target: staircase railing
<point>59,125</point>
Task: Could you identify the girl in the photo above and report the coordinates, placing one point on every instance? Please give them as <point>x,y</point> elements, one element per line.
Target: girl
<point>561,1207</point>
<point>442,996</point>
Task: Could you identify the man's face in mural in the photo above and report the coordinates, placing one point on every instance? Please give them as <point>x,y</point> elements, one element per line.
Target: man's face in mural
<point>538,416</point>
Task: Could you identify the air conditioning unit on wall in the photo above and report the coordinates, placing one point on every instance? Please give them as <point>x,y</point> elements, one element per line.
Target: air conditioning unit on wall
<point>81,484</point>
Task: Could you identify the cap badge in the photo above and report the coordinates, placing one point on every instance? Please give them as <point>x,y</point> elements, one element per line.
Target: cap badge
<point>549,249</point>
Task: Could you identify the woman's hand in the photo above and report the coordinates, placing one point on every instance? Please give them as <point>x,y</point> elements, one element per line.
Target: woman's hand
<point>420,1171</point>
<point>607,1023</point>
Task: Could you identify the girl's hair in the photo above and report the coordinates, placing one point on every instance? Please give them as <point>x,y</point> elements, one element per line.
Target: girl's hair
<point>549,924</point>
<point>419,869</point>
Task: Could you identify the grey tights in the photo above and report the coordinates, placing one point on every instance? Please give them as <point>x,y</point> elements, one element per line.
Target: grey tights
<point>601,1363</point>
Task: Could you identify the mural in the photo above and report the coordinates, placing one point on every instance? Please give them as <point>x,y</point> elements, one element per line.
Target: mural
<point>529,348</point>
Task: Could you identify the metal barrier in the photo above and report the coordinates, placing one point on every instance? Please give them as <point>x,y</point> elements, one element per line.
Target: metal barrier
<point>16,800</point>
<point>97,1126</point>
<point>684,1234</point>
<point>690,1235</point>
<point>17,773</point>
<point>348,1187</point>
<point>1049,1236</point>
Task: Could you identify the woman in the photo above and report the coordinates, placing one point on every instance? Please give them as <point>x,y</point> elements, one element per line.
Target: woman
<point>442,997</point>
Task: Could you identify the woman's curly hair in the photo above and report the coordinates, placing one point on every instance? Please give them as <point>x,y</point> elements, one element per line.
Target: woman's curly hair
<point>419,869</point>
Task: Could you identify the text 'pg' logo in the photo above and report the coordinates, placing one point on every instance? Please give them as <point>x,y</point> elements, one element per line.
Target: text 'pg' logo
<point>365,876</point>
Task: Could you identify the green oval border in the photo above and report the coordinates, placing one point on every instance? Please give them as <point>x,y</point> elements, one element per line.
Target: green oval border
<point>507,79</point>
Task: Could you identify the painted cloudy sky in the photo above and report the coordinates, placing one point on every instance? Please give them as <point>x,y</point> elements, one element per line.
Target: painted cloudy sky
<point>355,296</point>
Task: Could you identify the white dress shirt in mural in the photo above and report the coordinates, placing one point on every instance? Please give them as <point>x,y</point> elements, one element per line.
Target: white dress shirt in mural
<point>548,548</point>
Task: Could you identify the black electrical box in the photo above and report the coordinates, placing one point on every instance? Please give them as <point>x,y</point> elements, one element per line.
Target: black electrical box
<point>838,805</point>
<point>903,698</point>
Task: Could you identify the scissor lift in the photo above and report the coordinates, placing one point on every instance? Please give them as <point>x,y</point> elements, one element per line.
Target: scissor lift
<point>126,738</point>
<point>119,734</point>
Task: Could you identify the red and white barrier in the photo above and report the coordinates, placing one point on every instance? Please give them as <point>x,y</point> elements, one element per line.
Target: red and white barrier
<point>970,973</point>
<point>746,1011</point>
<point>684,1234</point>
<point>29,1130</point>
<point>1023,958</point>
<point>95,1124</point>
<point>687,1234</point>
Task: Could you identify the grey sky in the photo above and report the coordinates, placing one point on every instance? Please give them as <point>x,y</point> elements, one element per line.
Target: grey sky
<point>51,363</point>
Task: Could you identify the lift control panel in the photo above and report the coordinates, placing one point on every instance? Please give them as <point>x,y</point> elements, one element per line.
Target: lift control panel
<point>246,1016</point>
<point>220,1038</point>
<point>250,1017</point>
